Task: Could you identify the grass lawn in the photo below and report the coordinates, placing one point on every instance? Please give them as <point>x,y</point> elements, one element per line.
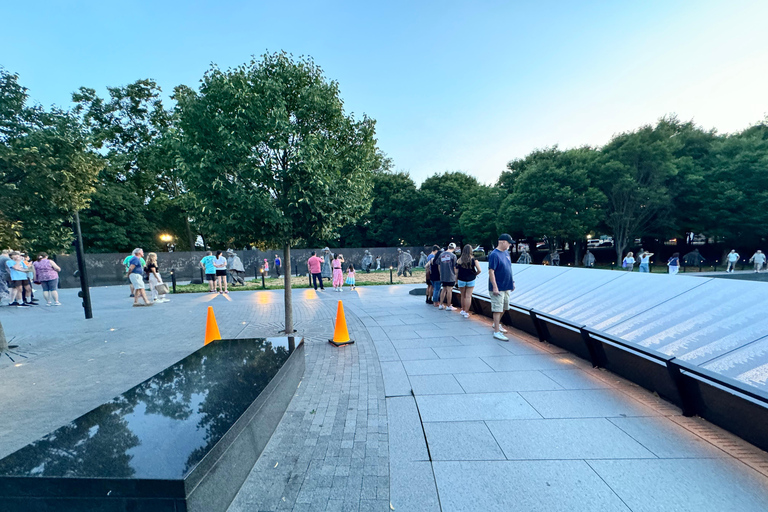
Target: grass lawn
<point>380,277</point>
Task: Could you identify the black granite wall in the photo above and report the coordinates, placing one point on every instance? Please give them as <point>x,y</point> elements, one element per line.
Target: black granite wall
<point>107,269</point>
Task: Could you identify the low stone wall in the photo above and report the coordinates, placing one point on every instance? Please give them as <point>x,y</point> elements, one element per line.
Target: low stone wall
<point>107,269</point>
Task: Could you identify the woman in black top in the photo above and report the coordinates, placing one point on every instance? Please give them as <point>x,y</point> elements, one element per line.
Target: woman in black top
<point>469,269</point>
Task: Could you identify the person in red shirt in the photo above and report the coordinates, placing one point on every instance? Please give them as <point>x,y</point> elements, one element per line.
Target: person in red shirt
<point>315,268</point>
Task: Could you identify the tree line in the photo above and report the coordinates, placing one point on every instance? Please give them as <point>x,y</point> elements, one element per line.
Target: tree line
<point>264,154</point>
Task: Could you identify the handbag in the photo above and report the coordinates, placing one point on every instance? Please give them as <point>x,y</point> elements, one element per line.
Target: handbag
<point>162,288</point>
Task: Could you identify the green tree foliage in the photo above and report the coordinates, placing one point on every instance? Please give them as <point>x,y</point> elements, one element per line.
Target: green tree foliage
<point>46,171</point>
<point>271,156</point>
<point>140,194</point>
<point>552,196</point>
<point>479,213</point>
<point>442,197</point>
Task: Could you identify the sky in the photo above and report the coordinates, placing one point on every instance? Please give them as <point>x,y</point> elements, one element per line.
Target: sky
<point>453,86</point>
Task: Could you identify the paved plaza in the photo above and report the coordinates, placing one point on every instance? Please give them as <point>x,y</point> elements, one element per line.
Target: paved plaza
<point>425,412</point>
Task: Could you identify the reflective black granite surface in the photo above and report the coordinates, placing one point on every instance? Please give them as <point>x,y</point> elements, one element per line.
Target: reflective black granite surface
<point>163,427</point>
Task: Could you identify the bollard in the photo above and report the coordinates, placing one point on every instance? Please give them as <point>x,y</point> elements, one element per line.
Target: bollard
<point>173,280</point>
<point>202,275</point>
<point>390,276</point>
<point>263,284</point>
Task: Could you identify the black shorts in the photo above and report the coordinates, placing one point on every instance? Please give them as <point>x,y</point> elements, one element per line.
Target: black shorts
<point>15,283</point>
<point>449,284</point>
<point>221,272</point>
<point>429,282</point>
<point>210,277</point>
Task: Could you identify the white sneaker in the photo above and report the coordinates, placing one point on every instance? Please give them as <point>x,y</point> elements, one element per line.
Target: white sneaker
<point>450,308</point>
<point>440,307</point>
<point>500,336</point>
<point>501,328</point>
<point>465,314</point>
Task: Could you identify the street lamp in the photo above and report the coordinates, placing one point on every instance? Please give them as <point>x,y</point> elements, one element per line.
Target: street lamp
<point>167,239</point>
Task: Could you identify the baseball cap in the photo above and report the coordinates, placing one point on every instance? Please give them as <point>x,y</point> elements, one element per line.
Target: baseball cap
<point>451,245</point>
<point>505,237</point>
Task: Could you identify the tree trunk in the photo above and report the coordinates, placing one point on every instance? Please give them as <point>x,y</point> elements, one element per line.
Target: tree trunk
<point>288,297</point>
<point>189,235</point>
<point>3,341</point>
<point>577,252</point>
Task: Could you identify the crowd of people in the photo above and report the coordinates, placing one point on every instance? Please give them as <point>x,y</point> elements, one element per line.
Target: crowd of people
<point>692,259</point>
<point>18,273</point>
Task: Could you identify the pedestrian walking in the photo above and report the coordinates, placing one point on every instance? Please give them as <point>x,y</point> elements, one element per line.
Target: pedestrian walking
<point>127,263</point>
<point>338,274</point>
<point>589,259</point>
<point>351,275</point>
<point>674,264</point>
<point>468,270</point>
<point>220,264</point>
<point>758,260</point>
<point>629,262</point>
<point>47,274</point>
<point>500,283</point>
<point>732,258</point>
<point>315,265</point>
<point>278,264</point>
<point>645,262</point>
<point>427,267</point>
<point>136,275</point>
<point>447,277</point>
<point>210,271</point>
<point>154,278</point>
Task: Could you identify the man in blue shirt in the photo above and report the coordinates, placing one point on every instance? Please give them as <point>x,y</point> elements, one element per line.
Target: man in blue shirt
<point>277,264</point>
<point>210,271</point>
<point>17,271</point>
<point>136,275</point>
<point>500,283</point>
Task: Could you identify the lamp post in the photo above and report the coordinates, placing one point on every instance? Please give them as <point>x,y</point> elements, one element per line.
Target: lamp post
<point>85,292</point>
<point>390,275</point>
<point>167,239</point>
<point>263,284</point>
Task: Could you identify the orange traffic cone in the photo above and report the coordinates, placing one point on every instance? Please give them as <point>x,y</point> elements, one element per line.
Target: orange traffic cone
<point>211,327</point>
<point>340,333</point>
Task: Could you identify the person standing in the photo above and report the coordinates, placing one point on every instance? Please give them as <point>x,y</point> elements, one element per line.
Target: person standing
<point>266,267</point>
<point>5,275</point>
<point>589,259</point>
<point>378,262</point>
<point>338,274</point>
<point>732,259</point>
<point>47,272</point>
<point>674,264</point>
<point>500,283</point>
<point>427,266</point>
<point>278,264</point>
<point>447,277</point>
<point>314,265</point>
<point>758,259</point>
<point>210,271</point>
<point>220,264</point>
<point>645,262</point>
<point>629,262</point>
<point>434,276</point>
<point>17,270</point>
<point>400,262</point>
<point>351,276</point>
<point>127,263</point>
<point>136,275</point>
<point>28,293</point>
<point>468,270</point>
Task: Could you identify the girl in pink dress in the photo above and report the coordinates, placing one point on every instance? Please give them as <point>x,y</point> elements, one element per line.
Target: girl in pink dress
<point>338,274</point>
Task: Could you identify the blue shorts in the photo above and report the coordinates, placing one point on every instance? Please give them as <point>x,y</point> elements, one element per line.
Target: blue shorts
<point>468,284</point>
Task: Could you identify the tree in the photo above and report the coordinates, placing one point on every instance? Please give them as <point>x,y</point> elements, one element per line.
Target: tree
<point>46,171</point>
<point>478,218</point>
<point>443,197</point>
<point>553,196</point>
<point>633,173</point>
<point>390,221</point>
<point>271,156</point>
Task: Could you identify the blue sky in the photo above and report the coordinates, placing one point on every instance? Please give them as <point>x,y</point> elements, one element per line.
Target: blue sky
<point>453,85</point>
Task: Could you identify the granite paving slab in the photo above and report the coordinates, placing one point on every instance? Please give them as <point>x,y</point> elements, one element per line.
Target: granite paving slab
<point>443,384</point>
<point>505,381</point>
<point>406,441</point>
<point>684,485</point>
<point>535,362</point>
<point>523,486</point>
<point>426,343</point>
<point>395,379</point>
<point>577,379</point>
<point>413,487</point>
<point>585,403</point>
<point>666,439</point>
<point>433,367</point>
<point>483,406</point>
<point>461,440</point>
<point>476,351</point>
<point>590,438</point>
<point>415,354</point>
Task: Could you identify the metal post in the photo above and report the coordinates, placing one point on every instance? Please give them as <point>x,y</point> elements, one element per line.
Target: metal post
<point>173,280</point>
<point>263,284</point>
<point>390,276</point>
<point>85,292</point>
<point>202,276</point>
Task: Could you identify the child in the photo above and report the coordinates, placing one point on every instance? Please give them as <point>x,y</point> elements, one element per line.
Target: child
<point>351,275</point>
<point>338,274</point>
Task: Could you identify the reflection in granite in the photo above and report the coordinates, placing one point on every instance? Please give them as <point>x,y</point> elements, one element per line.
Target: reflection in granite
<point>162,428</point>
